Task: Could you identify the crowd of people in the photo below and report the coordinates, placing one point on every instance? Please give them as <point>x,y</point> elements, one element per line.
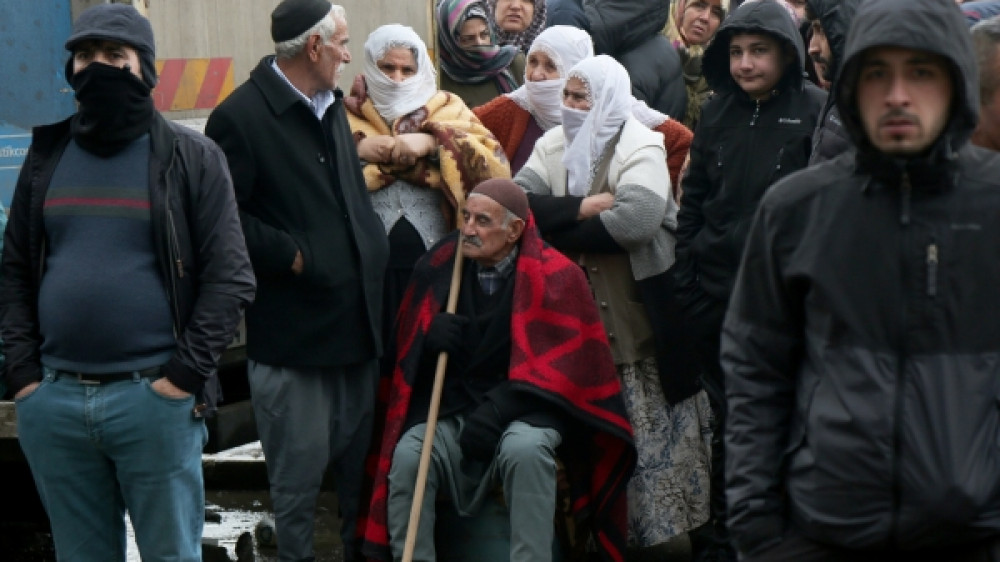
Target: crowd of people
<point>637,270</point>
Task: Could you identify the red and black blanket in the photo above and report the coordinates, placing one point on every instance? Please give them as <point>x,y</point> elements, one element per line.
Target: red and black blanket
<point>559,351</point>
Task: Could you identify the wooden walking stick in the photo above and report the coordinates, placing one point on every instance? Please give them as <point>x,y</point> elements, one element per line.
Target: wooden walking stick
<point>432,415</point>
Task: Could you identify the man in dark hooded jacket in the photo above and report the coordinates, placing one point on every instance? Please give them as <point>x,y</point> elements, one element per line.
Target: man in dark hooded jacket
<point>830,20</point>
<point>757,129</point>
<point>629,31</point>
<point>861,344</point>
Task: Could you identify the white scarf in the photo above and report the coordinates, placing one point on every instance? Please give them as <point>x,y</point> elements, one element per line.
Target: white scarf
<point>566,46</point>
<point>611,104</point>
<point>395,99</point>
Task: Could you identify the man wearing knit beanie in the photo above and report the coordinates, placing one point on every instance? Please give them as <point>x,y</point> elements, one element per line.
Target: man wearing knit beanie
<point>124,276</point>
<point>526,357</point>
<point>314,333</point>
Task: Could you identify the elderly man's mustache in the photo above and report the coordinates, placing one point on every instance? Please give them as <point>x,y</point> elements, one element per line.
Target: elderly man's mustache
<point>474,240</point>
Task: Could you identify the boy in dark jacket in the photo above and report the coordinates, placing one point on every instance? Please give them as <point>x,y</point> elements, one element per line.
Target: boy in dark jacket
<point>756,130</point>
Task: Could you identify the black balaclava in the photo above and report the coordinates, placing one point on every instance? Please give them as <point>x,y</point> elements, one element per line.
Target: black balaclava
<point>116,107</point>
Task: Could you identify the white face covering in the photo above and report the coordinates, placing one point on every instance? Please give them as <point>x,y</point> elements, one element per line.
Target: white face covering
<point>566,46</point>
<point>611,103</point>
<point>396,99</point>
<point>572,122</point>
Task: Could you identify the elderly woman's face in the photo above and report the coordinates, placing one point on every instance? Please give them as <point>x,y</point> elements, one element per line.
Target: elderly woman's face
<point>474,32</point>
<point>514,16</point>
<point>700,20</point>
<point>576,94</point>
<point>540,67</point>
<point>398,64</point>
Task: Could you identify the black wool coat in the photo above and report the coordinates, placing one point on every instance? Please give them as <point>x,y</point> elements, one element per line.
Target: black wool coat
<point>299,188</point>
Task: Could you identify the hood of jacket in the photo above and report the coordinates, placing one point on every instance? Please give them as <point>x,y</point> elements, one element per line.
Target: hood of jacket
<point>618,26</point>
<point>766,17</point>
<point>935,26</point>
<point>835,16</point>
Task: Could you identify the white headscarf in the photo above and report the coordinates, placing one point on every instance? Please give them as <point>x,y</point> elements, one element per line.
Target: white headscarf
<point>588,132</point>
<point>566,46</point>
<point>395,99</point>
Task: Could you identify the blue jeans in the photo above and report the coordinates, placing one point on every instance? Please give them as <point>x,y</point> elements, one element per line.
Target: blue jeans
<point>95,451</point>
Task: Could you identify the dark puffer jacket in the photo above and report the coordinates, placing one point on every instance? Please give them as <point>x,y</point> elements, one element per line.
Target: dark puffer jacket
<point>861,345</point>
<point>830,139</point>
<point>629,31</point>
<point>741,147</point>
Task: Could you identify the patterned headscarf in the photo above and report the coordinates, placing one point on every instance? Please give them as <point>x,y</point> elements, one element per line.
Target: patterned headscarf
<point>524,39</point>
<point>395,99</point>
<point>589,132</point>
<point>477,64</point>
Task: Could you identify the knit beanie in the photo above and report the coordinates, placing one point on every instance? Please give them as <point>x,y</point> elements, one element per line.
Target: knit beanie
<point>121,23</point>
<point>507,193</point>
<point>294,17</point>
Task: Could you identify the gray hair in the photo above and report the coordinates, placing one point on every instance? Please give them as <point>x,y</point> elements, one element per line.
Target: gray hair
<point>985,40</point>
<point>509,217</point>
<point>325,28</point>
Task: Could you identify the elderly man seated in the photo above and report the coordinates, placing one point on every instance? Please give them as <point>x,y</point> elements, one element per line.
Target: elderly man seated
<point>529,369</point>
<point>422,150</point>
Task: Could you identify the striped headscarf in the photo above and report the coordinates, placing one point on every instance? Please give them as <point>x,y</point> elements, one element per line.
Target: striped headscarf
<point>476,64</point>
<point>524,39</point>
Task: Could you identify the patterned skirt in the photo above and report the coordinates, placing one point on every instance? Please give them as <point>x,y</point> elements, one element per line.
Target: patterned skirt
<point>668,494</point>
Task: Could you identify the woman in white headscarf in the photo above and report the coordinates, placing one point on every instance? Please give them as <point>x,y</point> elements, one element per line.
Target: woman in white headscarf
<point>598,187</point>
<point>520,118</point>
<point>421,148</point>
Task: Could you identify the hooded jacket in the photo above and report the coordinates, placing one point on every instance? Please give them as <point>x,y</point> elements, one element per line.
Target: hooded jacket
<point>861,345</point>
<point>830,139</point>
<point>741,147</point>
<point>629,31</point>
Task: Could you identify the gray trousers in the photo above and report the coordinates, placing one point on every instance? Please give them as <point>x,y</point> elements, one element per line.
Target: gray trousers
<point>525,464</point>
<point>307,419</point>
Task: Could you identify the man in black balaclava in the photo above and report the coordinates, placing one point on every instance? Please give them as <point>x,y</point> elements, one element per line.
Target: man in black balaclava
<point>124,276</point>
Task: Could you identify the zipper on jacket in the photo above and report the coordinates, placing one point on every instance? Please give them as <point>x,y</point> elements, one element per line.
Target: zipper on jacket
<point>932,269</point>
<point>905,188</point>
<point>756,113</point>
<point>175,253</point>
<point>777,167</point>
<point>173,249</point>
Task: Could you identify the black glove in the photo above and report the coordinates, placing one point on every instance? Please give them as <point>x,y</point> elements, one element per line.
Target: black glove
<point>481,433</point>
<point>447,333</point>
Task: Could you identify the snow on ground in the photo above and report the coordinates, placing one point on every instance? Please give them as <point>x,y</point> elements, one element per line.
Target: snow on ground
<point>235,521</point>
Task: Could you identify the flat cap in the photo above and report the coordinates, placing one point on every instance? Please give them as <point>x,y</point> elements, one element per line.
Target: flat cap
<point>294,17</point>
<point>120,23</point>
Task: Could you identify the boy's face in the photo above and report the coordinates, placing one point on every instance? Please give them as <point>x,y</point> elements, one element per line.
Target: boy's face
<point>756,62</point>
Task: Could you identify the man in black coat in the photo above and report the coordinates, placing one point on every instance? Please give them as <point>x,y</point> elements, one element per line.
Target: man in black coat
<point>861,342</point>
<point>319,251</point>
<point>124,277</point>
<point>829,20</point>
<point>629,31</point>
